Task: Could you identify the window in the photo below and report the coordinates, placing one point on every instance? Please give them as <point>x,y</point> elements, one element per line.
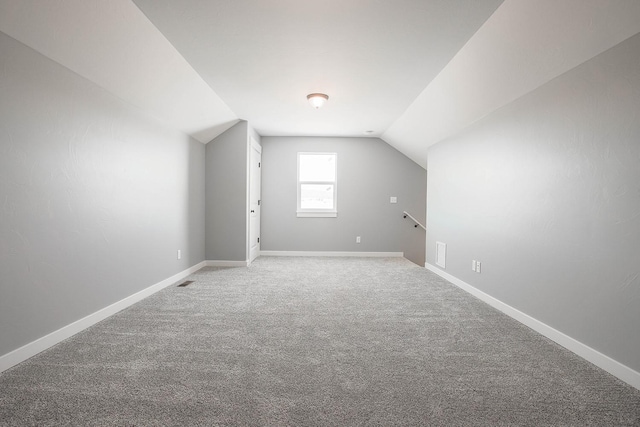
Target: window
<point>317,185</point>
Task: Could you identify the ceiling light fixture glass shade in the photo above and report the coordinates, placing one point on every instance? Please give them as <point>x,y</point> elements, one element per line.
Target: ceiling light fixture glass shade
<point>317,100</point>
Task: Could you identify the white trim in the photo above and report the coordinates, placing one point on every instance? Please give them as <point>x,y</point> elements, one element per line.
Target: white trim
<point>223,263</point>
<point>31,349</point>
<point>602,361</point>
<point>334,254</point>
<point>317,214</point>
<point>254,144</point>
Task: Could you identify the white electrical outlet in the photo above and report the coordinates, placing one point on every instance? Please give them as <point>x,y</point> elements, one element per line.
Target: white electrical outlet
<point>473,265</point>
<point>357,239</point>
<point>478,267</point>
<point>393,199</point>
<point>179,254</point>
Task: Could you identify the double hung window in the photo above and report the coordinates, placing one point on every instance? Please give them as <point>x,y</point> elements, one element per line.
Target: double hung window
<point>317,185</point>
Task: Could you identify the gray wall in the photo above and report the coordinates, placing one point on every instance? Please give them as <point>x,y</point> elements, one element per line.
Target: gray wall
<point>227,190</point>
<point>95,198</point>
<point>369,172</point>
<point>546,194</point>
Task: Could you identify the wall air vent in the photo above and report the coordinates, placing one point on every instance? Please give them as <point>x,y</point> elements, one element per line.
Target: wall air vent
<point>441,254</point>
<point>187,283</point>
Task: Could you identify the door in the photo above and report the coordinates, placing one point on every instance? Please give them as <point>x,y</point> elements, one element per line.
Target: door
<point>254,199</point>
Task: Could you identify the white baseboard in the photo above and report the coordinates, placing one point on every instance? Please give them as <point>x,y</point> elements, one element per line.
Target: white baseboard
<point>223,263</point>
<point>334,254</point>
<point>602,361</point>
<point>29,350</point>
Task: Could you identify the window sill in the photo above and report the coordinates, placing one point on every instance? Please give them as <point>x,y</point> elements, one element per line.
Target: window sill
<point>317,214</point>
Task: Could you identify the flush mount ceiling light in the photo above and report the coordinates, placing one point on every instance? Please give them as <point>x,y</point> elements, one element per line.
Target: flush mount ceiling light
<point>317,100</point>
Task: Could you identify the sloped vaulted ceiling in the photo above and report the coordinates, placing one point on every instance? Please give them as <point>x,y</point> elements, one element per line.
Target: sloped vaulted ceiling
<point>372,58</point>
<point>411,71</point>
<point>115,46</point>
<point>523,45</point>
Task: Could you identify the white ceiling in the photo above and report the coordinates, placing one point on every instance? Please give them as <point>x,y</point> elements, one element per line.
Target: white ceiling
<point>523,45</point>
<point>114,45</point>
<point>372,57</point>
<point>412,71</point>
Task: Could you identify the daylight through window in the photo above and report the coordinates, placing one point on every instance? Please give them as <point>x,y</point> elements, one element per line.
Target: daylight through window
<point>317,184</point>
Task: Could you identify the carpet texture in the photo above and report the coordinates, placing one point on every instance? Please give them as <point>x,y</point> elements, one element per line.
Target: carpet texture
<point>313,342</point>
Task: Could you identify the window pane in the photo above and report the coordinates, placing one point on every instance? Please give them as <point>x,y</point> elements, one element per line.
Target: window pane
<point>317,167</point>
<point>316,196</point>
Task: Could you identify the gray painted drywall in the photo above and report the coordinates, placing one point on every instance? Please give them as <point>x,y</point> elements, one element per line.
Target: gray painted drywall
<point>227,190</point>
<point>369,172</point>
<point>546,194</point>
<point>95,198</point>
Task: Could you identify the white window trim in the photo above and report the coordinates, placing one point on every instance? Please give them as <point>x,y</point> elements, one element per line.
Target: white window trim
<point>318,213</point>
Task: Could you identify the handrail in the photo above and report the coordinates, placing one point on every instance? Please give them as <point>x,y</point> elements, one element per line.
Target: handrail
<point>407,214</point>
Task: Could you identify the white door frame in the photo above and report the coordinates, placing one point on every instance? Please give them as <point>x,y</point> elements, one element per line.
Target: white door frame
<point>255,181</point>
